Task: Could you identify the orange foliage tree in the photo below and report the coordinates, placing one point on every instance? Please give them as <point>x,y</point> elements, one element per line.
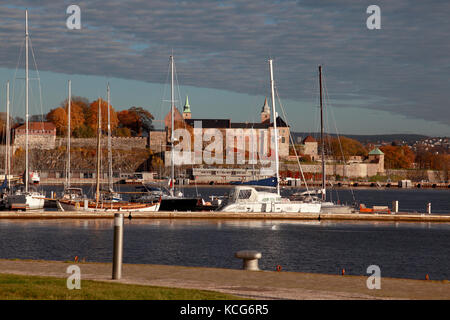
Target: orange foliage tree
<point>433,160</point>
<point>93,116</point>
<point>59,118</point>
<point>128,119</point>
<point>398,157</point>
<point>136,119</point>
<point>77,116</point>
<point>344,147</point>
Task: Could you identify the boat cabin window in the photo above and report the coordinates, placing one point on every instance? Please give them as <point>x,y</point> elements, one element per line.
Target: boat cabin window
<point>245,194</point>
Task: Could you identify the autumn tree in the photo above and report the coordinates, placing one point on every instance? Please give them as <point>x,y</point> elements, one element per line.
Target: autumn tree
<point>59,118</point>
<point>93,116</point>
<point>398,157</point>
<point>343,147</point>
<point>137,119</point>
<point>432,159</point>
<point>128,120</point>
<point>77,115</point>
<point>123,132</point>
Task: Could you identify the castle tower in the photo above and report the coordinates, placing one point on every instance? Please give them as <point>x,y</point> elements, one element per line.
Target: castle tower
<point>377,156</point>
<point>265,112</point>
<point>187,109</point>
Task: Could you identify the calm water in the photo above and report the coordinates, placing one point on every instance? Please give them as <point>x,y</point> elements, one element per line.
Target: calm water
<point>405,250</point>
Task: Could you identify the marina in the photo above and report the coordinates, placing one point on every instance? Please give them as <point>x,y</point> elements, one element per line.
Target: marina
<point>248,188</point>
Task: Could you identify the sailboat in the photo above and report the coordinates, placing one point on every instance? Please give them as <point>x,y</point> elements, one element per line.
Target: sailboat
<point>24,198</point>
<point>99,204</point>
<point>5,187</point>
<point>70,193</point>
<point>176,201</point>
<point>321,195</point>
<point>248,199</point>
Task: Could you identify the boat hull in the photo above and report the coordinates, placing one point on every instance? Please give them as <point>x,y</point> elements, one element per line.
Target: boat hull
<point>288,207</point>
<point>70,205</point>
<point>25,201</point>
<point>179,204</point>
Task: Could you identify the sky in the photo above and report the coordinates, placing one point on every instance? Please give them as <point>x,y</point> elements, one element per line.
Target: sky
<point>389,80</point>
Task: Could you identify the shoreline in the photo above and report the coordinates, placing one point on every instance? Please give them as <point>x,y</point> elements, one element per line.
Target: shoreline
<point>399,217</point>
<point>265,284</point>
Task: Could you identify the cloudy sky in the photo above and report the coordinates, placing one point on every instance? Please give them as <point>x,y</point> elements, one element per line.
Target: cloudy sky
<point>391,80</point>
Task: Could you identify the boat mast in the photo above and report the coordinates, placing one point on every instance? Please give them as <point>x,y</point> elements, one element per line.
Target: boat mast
<point>321,136</point>
<point>99,134</point>
<point>26,101</point>
<point>172,102</point>
<point>110,173</point>
<point>69,102</point>
<point>274,125</point>
<point>8,137</point>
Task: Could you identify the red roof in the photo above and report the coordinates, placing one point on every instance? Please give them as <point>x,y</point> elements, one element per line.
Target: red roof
<point>309,139</point>
<point>43,126</point>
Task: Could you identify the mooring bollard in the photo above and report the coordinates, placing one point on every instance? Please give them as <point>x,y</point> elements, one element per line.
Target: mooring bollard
<point>429,207</point>
<point>395,206</point>
<point>250,259</point>
<point>118,246</point>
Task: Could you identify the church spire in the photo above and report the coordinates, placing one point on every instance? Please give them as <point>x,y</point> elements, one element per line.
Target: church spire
<point>265,107</point>
<point>265,112</point>
<point>187,109</point>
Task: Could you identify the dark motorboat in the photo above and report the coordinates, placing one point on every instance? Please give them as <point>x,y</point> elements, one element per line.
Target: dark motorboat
<point>171,202</point>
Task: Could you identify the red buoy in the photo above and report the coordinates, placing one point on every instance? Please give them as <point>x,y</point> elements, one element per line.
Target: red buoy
<point>278,268</point>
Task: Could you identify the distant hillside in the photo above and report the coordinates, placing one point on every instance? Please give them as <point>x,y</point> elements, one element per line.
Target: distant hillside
<point>408,138</point>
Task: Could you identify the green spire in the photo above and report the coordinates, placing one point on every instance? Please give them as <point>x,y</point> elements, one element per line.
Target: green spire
<point>187,107</point>
<point>376,151</point>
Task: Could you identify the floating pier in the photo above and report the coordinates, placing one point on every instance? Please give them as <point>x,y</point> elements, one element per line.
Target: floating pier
<point>401,216</point>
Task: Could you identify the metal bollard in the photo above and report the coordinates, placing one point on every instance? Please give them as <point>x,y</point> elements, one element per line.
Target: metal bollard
<point>429,207</point>
<point>118,246</point>
<point>250,259</point>
<point>395,206</point>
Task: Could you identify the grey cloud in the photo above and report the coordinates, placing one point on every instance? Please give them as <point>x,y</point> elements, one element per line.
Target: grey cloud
<point>402,68</point>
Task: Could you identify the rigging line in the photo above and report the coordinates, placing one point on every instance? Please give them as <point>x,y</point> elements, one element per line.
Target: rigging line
<point>329,138</point>
<point>38,76</point>
<point>15,74</point>
<point>340,145</point>
<point>164,91</point>
<point>291,139</point>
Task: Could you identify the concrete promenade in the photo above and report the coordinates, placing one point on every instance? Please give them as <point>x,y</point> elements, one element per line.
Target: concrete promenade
<point>398,217</point>
<point>249,284</point>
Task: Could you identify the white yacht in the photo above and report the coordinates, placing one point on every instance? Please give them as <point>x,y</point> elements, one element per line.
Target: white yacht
<point>248,199</point>
<point>25,200</point>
